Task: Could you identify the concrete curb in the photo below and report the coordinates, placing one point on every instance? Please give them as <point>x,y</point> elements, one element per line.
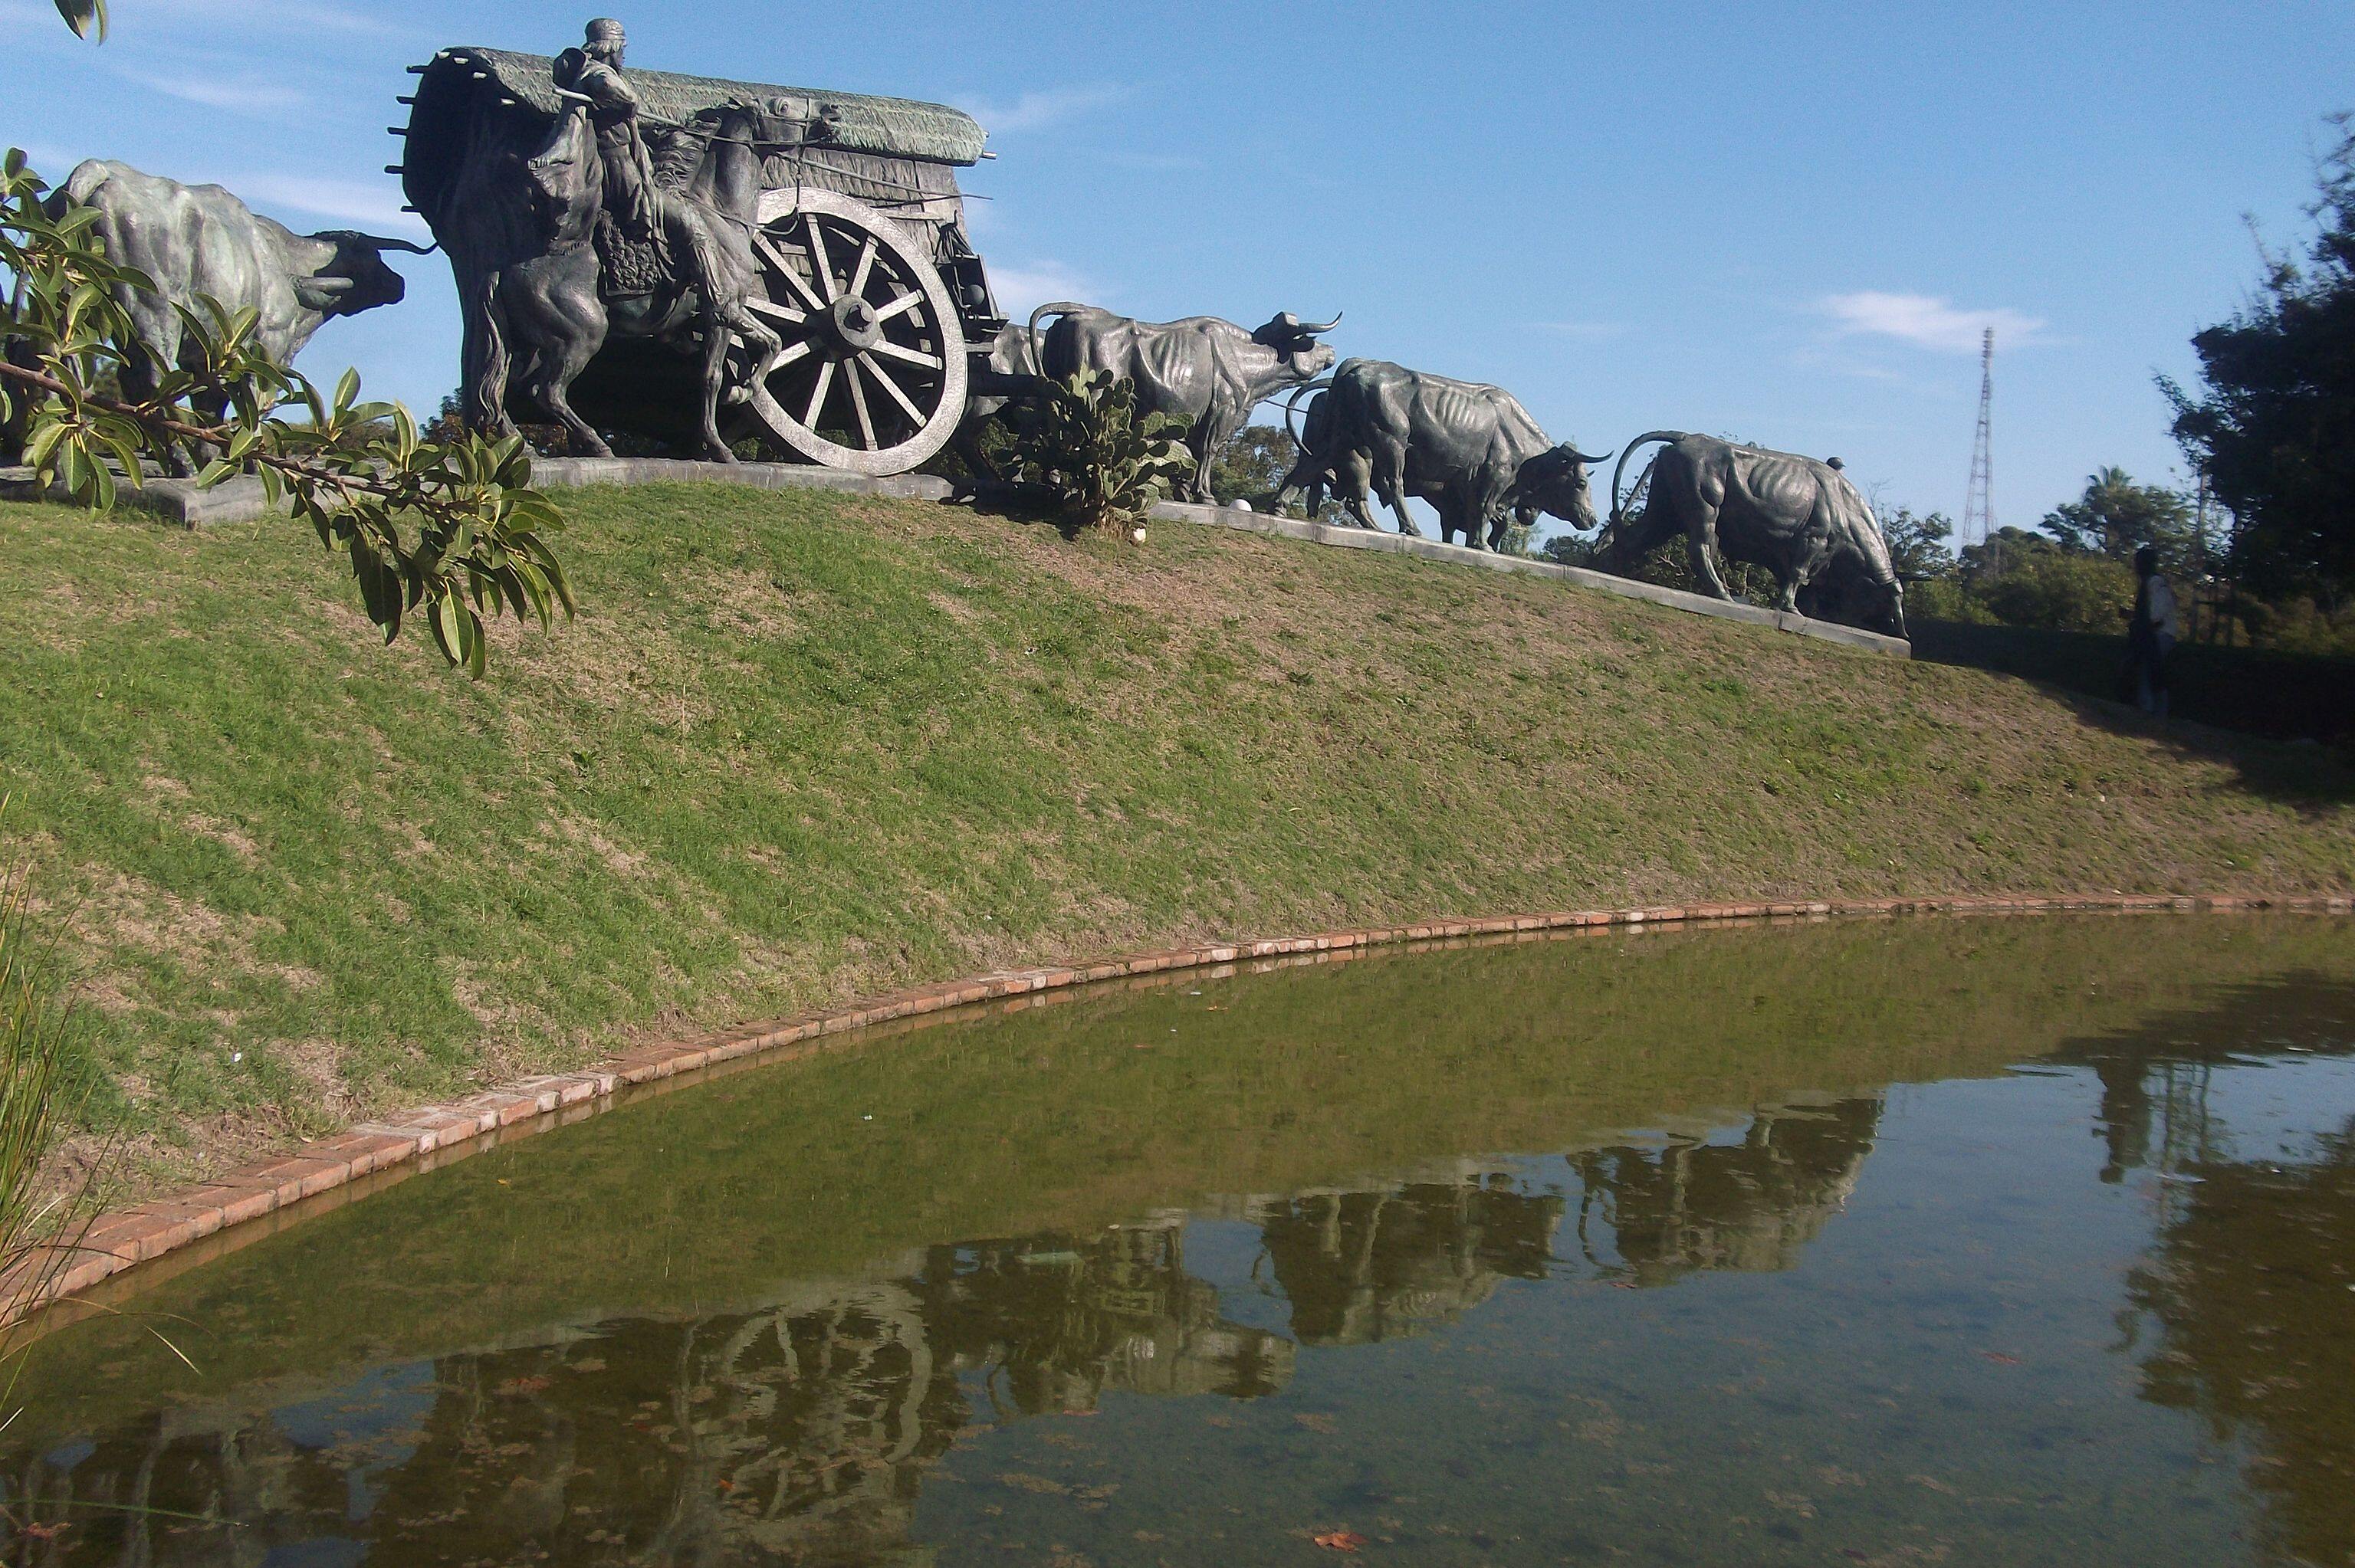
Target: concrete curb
<point>123,1239</point>
<point>242,501</point>
<point>573,473</point>
<point>1626,588</point>
<point>180,501</point>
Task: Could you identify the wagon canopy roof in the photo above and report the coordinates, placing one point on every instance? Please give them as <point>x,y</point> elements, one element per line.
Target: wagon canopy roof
<point>888,127</point>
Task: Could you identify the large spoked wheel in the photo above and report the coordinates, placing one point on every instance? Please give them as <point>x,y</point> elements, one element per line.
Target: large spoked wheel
<point>873,374</point>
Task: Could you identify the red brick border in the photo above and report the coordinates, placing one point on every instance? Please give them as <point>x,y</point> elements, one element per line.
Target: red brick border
<point>120,1240</point>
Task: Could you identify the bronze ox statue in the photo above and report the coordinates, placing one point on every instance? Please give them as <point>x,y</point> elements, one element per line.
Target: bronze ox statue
<point>201,241</point>
<point>1799,518</point>
<point>1469,449</point>
<point>1209,371</point>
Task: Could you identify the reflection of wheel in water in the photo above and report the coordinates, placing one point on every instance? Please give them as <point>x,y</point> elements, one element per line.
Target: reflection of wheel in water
<point>873,374</point>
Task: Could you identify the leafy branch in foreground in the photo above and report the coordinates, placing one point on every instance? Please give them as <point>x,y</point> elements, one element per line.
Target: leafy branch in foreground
<point>84,16</point>
<point>1083,443</point>
<point>355,471</point>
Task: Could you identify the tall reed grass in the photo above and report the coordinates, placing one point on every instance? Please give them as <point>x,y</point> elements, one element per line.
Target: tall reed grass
<point>41,1224</point>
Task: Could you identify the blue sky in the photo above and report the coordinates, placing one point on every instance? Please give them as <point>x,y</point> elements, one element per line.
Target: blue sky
<point>1781,222</point>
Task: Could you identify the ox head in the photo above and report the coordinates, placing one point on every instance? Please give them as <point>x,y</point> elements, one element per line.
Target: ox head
<point>355,276</point>
<point>1847,593</point>
<point>1295,341</point>
<point>1555,481</point>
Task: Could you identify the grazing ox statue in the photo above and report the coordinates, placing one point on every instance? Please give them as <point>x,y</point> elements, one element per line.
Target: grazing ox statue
<point>1470,449</point>
<point>193,240</point>
<point>1209,371</point>
<point>1800,519</point>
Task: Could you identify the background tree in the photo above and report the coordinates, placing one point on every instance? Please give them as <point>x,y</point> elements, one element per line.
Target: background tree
<point>2021,579</point>
<point>2275,430</point>
<point>1252,462</point>
<point>1917,544</point>
<point>1255,460</point>
<point>2115,516</point>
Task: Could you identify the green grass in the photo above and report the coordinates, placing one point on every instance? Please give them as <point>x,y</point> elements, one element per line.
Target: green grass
<point>800,747</point>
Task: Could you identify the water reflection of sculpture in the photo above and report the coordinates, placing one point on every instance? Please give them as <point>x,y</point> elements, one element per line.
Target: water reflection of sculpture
<point>1052,1323</point>
<point>803,1429</point>
<point>1366,1265</point>
<point>1694,1205</point>
<point>800,1431</point>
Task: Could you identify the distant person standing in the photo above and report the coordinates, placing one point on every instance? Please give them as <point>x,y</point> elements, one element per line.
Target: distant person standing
<point>2151,639</point>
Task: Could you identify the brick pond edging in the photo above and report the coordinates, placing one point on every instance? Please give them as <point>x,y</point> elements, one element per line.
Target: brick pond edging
<point>127,1237</point>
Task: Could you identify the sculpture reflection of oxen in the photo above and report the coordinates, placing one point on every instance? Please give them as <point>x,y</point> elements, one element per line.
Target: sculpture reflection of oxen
<point>1209,371</point>
<point>1800,519</point>
<point>1470,449</point>
<point>193,240</point>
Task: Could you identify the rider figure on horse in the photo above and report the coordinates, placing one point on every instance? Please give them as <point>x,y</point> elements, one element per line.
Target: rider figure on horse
<point>641,207</point>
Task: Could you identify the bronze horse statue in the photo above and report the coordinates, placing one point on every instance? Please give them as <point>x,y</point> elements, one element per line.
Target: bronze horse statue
<point>545,276</point>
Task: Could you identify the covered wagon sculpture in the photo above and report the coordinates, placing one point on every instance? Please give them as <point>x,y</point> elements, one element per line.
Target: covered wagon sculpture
<point>687,258</point>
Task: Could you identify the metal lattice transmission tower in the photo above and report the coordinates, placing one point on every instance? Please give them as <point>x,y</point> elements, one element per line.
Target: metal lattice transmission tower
<point>1978,500</point>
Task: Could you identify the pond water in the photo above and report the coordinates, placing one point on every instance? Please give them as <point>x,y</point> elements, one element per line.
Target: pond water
<point>1999,1241</point>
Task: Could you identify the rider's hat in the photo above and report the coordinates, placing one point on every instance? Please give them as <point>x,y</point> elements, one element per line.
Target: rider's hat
<point>605,30</point>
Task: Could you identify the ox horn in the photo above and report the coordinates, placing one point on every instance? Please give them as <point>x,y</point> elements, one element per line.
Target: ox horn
<point>1310,329</point>
<point>1571,452</point>
<point>382,242</point>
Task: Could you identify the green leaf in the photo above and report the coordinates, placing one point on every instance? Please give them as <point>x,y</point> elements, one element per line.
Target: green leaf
<point>83,17</point>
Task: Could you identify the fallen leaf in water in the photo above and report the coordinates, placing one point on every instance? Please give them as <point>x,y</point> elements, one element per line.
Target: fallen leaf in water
<point>522,1385</point>
<point>1040,1484</point>
<point>1340,1540</point>
<point>2000,1358</point>
<point>1314,1422</point>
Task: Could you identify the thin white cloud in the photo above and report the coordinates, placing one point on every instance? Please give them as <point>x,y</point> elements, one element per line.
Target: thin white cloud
<point>1927,321</point>
<point>366,204</point>
<point>240,97</point>
<point>284,16</point>
<point>1037,111</point>
<point>1021,289</point>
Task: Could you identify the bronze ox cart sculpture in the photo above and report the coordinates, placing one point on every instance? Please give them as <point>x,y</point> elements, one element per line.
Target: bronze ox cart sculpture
<point>692,260</point>
<point>699,259</point>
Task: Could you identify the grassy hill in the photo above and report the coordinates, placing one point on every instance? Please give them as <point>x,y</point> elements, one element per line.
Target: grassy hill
<point>799,747</point>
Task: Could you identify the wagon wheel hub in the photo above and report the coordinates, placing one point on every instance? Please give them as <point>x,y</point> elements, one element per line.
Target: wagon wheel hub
<point>851,326</point>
